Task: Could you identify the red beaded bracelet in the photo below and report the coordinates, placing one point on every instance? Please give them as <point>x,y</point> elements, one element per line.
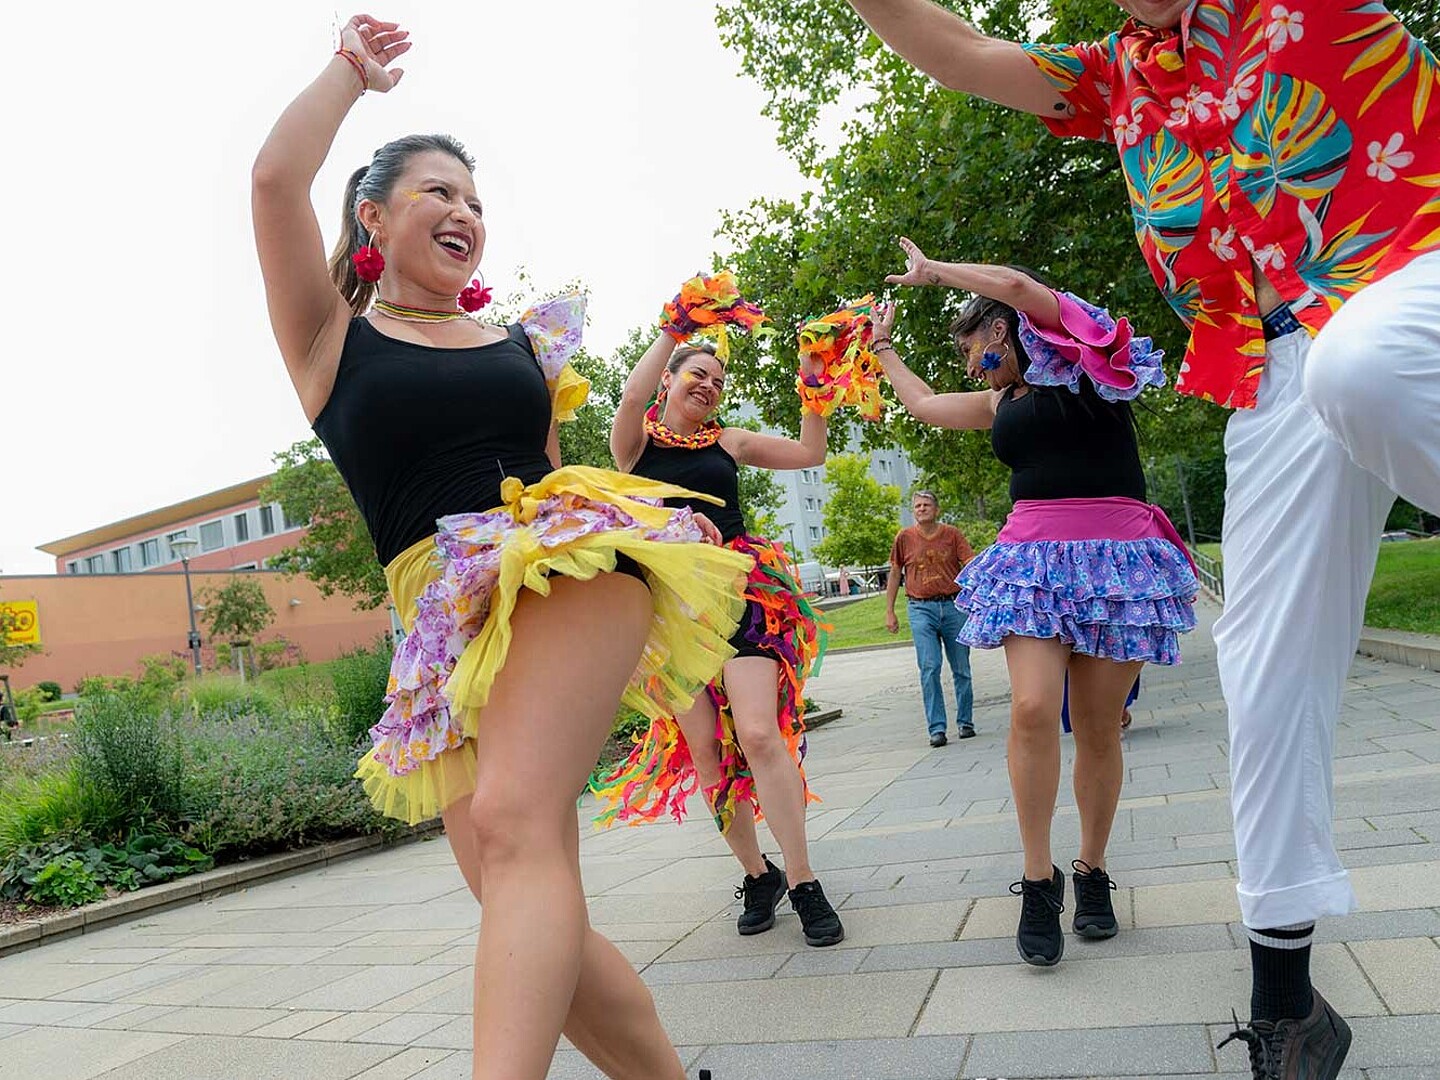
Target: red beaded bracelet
<point>355,62</point>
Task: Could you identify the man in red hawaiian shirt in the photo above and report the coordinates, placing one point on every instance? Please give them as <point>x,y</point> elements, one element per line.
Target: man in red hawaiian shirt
<point>1283,165</point>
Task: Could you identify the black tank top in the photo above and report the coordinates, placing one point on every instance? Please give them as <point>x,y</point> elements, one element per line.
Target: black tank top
<point>420,432</point>
<point>710,471</point>
<point>1062,445</point>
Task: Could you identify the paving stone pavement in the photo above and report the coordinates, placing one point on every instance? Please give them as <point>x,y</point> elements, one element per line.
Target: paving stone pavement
<point>362,969</point>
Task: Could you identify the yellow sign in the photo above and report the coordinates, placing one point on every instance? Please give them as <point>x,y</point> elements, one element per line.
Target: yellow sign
<point>24,622</point>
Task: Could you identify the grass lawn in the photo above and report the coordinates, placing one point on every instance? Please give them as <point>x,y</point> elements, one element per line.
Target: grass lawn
<point>1405,594</point>
<point>863,623</point>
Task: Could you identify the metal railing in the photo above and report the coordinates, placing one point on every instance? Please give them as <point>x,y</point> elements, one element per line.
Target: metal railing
<point>1208,570</point>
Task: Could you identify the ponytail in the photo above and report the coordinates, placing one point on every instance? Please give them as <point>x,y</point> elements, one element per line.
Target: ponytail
<point>353,237</point>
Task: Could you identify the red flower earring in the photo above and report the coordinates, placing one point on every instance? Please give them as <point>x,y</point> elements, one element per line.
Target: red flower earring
<point>369,263</point>
<point>474,296</point>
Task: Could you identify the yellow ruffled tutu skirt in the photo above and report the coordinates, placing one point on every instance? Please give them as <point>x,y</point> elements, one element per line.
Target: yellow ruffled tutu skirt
<point>457,591</point>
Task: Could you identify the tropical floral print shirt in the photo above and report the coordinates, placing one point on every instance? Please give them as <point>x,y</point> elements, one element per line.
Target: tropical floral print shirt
<point>1304,134</point>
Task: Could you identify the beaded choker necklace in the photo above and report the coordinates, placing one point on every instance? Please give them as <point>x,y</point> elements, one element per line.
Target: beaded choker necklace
<point>420,315</point>
<point>708,435</point>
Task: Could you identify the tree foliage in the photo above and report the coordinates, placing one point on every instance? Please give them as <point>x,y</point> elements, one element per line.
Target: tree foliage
<point>236,611</point>
<point>967,180</point>
<point>862,515</point>
<point>335,551</point>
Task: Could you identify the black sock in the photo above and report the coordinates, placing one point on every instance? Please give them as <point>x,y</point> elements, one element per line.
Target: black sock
<point>1280,970</point>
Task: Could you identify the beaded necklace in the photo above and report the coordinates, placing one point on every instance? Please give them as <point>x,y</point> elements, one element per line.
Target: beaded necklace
<point>421,315</point>
<point>708,435</point>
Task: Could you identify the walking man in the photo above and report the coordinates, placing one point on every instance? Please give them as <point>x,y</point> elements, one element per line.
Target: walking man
<point>929,554</point>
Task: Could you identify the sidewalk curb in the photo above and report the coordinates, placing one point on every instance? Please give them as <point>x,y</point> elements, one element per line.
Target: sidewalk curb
<point>212,883</point>
<point>908,643</point>
<point>1399,647</point>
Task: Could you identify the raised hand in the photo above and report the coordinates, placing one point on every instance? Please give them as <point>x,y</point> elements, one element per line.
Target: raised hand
<point>917,268</point>
<point>883,320</point>
<point>378,45</point>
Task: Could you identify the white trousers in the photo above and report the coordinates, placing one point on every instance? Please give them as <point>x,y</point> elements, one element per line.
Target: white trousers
<point>1343,424</point>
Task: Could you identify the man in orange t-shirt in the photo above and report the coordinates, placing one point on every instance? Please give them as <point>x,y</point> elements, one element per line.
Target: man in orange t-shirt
<point>929,555</point>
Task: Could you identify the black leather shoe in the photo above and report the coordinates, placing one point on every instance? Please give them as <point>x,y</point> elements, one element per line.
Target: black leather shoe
<point>938,739</point>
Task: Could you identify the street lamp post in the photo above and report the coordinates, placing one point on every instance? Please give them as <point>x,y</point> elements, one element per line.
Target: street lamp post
<point>181,545</point>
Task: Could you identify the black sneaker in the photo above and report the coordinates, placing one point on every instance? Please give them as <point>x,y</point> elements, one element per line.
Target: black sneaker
<point>1039,937</point>
<point>967,732</point>
<point>1309,1049</point>
<point>1094,915</point>
<point>762,895</point>
<point>938,739</point>
<point>817,917</point>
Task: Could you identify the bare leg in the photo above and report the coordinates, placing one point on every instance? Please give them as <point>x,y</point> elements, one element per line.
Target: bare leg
<point>612,1014</point>
<point>1098,689</point>
<point>750,683</point>
<point>549,711</point>
<point>698,727</point>
<point>1037,681</point>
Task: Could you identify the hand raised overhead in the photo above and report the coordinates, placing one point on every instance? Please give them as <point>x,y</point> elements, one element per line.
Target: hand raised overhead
<point>918,270</point>
<point>377,45</point>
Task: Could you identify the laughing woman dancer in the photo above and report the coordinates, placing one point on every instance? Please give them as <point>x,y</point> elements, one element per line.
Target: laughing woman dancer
<point>529,593</point>
<point>746,742</point>
<point>1085,577</point>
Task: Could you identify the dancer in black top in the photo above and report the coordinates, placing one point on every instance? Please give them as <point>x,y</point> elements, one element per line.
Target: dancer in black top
<point>520,642</point>
<point>745,746</point>
<point>1084,578</point>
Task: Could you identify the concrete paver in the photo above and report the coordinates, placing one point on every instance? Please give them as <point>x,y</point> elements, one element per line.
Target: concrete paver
<point>307,975</point>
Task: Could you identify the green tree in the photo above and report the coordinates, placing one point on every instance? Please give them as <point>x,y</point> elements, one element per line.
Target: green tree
<point>967,180</point>
<point>236,611</point>
<point>862,515</point>
<point>336,551</point>
<point>761,500</point>
<point>586,439</point>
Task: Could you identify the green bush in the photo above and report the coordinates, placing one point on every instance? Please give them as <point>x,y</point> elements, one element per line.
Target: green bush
<point>127,746</point>
<point>94,685</point>
<point>77,871</point>
<point>53,802</point>
<point>163,672</point>
<point>29,704</point>
<point>360,679</point>
<point>260,786</point>
<point>226,694</point>
<point>278,652</point>
<point>51,690</point>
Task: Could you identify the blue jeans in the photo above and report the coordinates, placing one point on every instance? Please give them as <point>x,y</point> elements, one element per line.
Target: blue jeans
<point>935,625</point>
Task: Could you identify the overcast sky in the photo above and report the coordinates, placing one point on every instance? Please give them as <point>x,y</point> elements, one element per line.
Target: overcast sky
<point>144,371</point>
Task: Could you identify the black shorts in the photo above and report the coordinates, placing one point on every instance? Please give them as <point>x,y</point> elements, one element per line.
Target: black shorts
<point>740,640</point>
<point>624,564</point>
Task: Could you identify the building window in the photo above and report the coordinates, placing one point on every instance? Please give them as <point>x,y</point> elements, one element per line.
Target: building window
<point>212,536</point>
<point>170,543</point>
<point>120,559</point>
<point>242,528</point>
<point>814,532</point>
<point>267,520</point>
<point>150,553</point>
<point>247,566</point>
<point>96,564</point>
<point>74,568</point>
<point>810,504</point>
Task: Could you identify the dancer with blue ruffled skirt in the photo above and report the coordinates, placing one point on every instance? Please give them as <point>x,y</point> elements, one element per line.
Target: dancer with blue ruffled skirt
<point>1086,577</point>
